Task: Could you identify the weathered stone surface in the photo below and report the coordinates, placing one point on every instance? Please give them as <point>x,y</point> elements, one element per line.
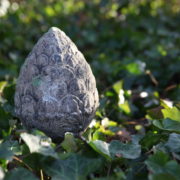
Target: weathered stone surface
<point>56,90</point>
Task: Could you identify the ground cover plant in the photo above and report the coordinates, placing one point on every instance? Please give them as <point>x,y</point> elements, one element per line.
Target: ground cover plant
<point>133,49</point>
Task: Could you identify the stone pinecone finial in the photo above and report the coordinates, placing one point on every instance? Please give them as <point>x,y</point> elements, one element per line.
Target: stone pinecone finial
<point>56,90</point>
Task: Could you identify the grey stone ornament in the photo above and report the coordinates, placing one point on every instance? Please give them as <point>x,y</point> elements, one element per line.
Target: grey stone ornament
<point>56,90</point>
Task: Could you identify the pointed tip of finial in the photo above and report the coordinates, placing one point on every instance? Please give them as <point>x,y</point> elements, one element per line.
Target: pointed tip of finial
<point>54,29</point>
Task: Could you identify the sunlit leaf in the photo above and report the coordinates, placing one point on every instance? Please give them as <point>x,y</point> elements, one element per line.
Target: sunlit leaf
<point>1,173</point>
<point>2,85</point>
<point>172,113</point>
<point>101,147</point>
<point>118,86</point>
<point>39,144</point>
<point>69,143</point>
<point>106,122</point>
<point>50,11</point>
<point>136,68</point>
<point>125,107</point>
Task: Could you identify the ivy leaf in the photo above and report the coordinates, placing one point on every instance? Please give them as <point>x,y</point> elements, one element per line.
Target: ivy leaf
<point>69,143</point>
<point>20,174</point>
<point>2,85</point>
<point>135,68</point>
<point>173,143</point>
<point>156,162</point>
<point>101,147</point>
<point>155,113</point>
<point>39,144</point>
<point>167,124</point>
<point>159,165</point>
<point>172,113</point>
<point>4,120</point>
<point>8,93</point>
<point>1,173</point>
<point>150,139</point>
<point>118,86</point>
<point>8,149</point>
<point>75,167</point>
<point>130,150</point>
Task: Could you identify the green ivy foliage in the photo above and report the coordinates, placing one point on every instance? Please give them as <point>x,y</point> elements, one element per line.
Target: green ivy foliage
<point>133,49</point>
